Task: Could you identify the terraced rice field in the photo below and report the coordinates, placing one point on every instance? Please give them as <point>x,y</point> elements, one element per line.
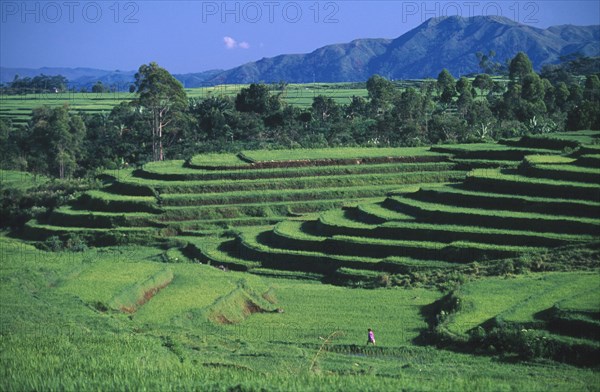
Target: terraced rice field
<point>412,203</point>
<point>212,193</point>
<point>495,232</point>
<point>544,201</point>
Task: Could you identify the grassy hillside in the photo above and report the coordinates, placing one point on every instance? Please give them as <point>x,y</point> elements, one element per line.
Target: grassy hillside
<point>264,270</point>
<point>58,335</point>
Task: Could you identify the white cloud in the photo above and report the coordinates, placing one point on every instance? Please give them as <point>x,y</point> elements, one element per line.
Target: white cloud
<point>231,43</point>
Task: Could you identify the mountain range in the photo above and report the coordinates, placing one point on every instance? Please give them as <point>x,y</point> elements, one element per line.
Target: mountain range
<point>445,42</point>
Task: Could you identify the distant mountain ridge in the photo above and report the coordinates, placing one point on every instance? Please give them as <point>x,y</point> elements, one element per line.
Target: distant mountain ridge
<point>445,42</point>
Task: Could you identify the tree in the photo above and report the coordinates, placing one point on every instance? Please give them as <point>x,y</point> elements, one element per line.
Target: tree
<point>325,109</point>
<point>163,97</point>
<point>591,91</point>
<point>257,98</point>
<point>54,141</point>
<point>381,93</point>
<point>519,67</point>
<point>98,87</point>
<point>465,98</point>
<point>486,63</point>
<point>483,82</point>
<point>446,86</point>
<point>8,150</point>
<point>561,96</point>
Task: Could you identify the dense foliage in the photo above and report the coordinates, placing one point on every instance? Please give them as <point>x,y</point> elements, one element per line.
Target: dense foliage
<point>163,124</point>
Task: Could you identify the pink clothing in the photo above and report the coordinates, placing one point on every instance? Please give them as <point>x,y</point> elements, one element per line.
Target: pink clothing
<point>371,337</point>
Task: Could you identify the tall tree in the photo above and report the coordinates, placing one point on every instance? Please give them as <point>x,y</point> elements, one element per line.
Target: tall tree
<point>483,82</point>
<point>381,93</point>
<point>520,66</point>
<point>446,86</point>
<point>163,97</point>
<point>54,141</point>
<point>257,98</point>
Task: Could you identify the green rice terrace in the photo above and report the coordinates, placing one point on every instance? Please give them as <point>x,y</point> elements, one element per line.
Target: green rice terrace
<point>476,265</point>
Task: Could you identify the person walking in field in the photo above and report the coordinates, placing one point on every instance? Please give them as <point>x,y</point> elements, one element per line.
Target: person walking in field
<point>371,338</point>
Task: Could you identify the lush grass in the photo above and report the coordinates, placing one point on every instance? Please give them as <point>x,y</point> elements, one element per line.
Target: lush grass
<point>582,137</point>
<point>487,200</point>
<point>459,251</point>
<point>218,251</point>
<point>517,299</point>
<point>214,186</point>
<point>440,213</point>
<point>336,222</point>
<point>173,171</point>
<point>550,159</point>
<point>111,202</point>
<point>336,153</point>
<point>209,329</point>
<point>20,180</point>
<point>216,161</point>
<point>18,107</point>
<point>488,151</point>
<point>359,190</point>
<point>564,172</point>
<point>220,212</point>
<point>53,340</point>
<point>507,182</point>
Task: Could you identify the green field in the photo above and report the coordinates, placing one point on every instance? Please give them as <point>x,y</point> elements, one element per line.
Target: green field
<point>18,107</point>
<point>60,337</point>
<point>263,271</point>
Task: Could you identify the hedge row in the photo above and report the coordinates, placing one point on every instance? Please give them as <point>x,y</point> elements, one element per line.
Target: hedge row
<point>436,213</point>
<point>96,202</point>
<point>251,210</point>
<point>417,231</point>
<point>95,237</point>
<point>254,246</point>
<point>123,187</point>
<point>218,253</point>
<point>91,219</point>
<point>269,197</point>
<point>543,142</point>
<point>509,154</point>
<point>340,161</point>
<point>465,198</point>
<point>591,160</point>
<point>171,187</point>
<point>293,235</point>
<point>296,172</point>
<point>520,185</point>
<point>462,252</point>
<point>376,214</point>
<point>579,324</point>
<point>563,173</point>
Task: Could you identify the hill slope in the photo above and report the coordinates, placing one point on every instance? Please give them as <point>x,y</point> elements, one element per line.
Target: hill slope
<point>445,42</point>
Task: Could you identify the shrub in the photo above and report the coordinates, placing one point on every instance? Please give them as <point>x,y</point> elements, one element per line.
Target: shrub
<point>53,243</point>
<point>75,243</point>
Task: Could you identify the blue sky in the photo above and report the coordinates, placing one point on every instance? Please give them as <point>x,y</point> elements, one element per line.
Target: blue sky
<point>193,36</point>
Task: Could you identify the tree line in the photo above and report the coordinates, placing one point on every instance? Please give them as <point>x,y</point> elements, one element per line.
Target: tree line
<point>162,123</point>
<point>36,85</point>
